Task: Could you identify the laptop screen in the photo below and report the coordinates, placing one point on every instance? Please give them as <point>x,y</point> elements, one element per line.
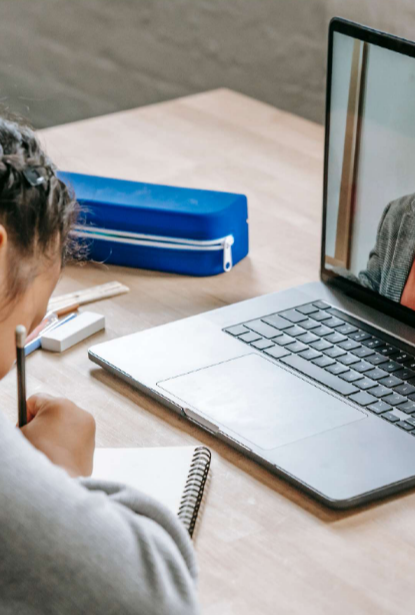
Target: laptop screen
<point>370,174</point>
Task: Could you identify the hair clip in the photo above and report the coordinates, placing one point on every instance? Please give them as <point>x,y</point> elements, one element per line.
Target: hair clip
<point>33,177</point>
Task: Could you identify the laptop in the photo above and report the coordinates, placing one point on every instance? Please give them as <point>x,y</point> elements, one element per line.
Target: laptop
<point>317,382</point>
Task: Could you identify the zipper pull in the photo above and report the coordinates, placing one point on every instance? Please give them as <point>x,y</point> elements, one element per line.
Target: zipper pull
<point>227,252</point>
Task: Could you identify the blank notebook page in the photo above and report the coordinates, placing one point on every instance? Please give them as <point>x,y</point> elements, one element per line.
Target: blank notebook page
<point>160,472</point>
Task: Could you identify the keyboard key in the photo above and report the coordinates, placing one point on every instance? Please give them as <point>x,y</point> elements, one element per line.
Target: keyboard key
<point>391,367</point>
<point>388,351</point>
<point>381,391</point>
<point>394,399</point>
<point>276,352</point>
<point>322,331</point>
<point>359,336</point>
<point>376,374</point>
<point>337,369</point>
<point>307,338</point>
<point>377,359</point>
<point>262,328</point>
<point>320,316</point>
<point>351,376</point>
<point>390,381</point>
<point>410,420</point>
<point>392,418</point>
<point>405,389</point>
<point>404,425</point>
<point>320,345</point>
<point>294,316</point>
<point>408,407</point>
<point>262,344</point>
<point>362,367</point>
<point>349,345</point>
<point>363,352</point>
<point>323,361</point>
<point>320,375</point>
<point>334,352</point>
<point>363,398</point>
<point>336,338</point>
<point>346,329</point>
<point>237,330</point>
<point>333,322</point>
<point>321,305</point>
<point>294,331</point>
<point>380,407</point>
<point>296,347</point>
<point>403,357</point>
<point>404,374</point>
<point>310,354</point>
<point>348,359</point>
<point>307,309</point>
<point>366,383</point>
<point>284,340</point>
<point>310,325</point>
<point>276,321</point>
<point>373,343</point>
<point>249,337</point>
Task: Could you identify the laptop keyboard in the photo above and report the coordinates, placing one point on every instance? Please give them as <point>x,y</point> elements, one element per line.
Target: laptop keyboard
<point>343,354</point>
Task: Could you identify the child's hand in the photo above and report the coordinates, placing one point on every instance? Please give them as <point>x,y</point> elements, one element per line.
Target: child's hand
<point>62,431</point>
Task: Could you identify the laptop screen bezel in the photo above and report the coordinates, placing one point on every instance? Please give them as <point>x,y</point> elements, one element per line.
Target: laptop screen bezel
<point>327,276</point>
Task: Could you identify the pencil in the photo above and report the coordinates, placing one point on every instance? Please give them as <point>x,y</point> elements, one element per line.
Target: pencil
<point>21,374</point>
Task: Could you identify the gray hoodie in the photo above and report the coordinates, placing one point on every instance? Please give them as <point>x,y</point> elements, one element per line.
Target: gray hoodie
<point>69,546</point>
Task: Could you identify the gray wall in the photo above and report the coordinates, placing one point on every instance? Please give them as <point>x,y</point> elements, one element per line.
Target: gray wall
<point>63,60</point>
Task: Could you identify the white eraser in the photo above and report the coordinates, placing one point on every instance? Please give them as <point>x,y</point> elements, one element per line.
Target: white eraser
<point>73,332</point>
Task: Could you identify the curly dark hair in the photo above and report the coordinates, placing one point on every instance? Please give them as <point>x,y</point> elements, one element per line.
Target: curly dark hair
<point>36,208</point>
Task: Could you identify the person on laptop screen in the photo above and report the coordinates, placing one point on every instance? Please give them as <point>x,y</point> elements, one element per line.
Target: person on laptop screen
<point>390,268</point>
<point>70,544</point>
<point>370,233</point>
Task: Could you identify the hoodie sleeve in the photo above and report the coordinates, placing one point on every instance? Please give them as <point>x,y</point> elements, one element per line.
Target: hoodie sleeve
<point>82,546</point>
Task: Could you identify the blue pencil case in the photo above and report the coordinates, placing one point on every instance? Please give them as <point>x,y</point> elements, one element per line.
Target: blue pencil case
<point>150,226</point>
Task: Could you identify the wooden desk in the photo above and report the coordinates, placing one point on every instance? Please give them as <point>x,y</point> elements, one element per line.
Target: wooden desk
<point>263,547</point>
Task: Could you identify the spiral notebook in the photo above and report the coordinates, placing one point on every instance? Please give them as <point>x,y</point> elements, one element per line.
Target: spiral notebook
<point>176,476</point>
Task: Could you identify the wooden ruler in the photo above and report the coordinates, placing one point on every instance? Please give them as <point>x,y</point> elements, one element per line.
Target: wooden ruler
<point>87,295</point>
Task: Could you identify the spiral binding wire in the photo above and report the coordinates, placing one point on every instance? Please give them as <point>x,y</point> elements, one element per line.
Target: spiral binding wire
<point>195,485</point>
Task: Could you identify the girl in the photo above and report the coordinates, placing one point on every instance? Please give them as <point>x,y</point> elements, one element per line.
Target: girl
<point>67,545</point>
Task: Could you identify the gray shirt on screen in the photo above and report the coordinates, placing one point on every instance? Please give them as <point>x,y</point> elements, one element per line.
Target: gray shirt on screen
<point>69,546</point>
<point>391,259</point>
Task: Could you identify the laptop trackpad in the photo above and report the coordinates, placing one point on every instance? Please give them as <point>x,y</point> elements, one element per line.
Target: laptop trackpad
<point>260,401</point>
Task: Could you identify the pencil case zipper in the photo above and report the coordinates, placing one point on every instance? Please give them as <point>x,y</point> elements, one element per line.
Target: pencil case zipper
<point>156,241</point>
